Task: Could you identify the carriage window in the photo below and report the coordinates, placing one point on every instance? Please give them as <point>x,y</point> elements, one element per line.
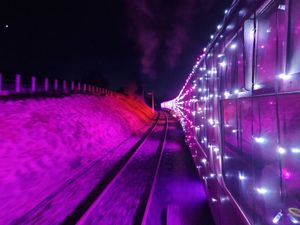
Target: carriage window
<point>250,156</point>
<point>294,37</point>
<point>232,65</point>
<point>289,114</point>
<point>269,49</point>
<point>248,46</point>
<point>230,144</point>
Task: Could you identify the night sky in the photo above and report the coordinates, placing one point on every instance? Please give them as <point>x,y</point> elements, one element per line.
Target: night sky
<point>152,42</point>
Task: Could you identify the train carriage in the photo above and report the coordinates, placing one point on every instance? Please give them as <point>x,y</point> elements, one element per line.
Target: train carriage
<point>240,109</point>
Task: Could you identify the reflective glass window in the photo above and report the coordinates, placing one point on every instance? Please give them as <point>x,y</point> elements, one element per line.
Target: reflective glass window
<point>291,80</point>
<point>248,47</point>
<point>289,114</point>
<point>231,65</point>
<point>250,156</point>
<point>230,144</point>
<point>294,37</point>
<point>269,48</point>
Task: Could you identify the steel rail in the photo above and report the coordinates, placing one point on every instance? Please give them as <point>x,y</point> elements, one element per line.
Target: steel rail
<point>86,205</point>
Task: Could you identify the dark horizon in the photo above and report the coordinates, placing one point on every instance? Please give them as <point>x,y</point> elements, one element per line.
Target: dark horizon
<point>82,41</point>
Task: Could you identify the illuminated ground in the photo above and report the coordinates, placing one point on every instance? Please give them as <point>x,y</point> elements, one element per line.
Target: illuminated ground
<point>45,143</point>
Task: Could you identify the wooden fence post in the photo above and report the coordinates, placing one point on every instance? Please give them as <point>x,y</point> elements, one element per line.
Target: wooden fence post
<point>0,83</point>
<point>55,85</point>
<point>72,85</point>
<point>33,84</point>
<point>18,83</point>
<point>65,86</point>
<point>46,84</point>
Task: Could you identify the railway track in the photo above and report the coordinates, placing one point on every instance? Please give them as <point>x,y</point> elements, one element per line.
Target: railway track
<point>145,154</point>
<point>126,198</point>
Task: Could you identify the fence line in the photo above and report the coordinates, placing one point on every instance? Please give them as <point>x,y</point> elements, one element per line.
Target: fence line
<point>17,87</point>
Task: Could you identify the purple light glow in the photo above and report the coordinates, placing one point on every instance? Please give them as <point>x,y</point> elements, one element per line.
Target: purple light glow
<point>286,174</point>
<point>259,109</point>
<point>45,142</point>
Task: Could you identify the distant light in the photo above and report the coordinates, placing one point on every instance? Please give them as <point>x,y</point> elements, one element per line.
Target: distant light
<point>234,131</point>
<point>216,150</point>
<point>281,150</point>
<point>236,91</point>
<point>284,76</point>
<point>223,64</point>
<point>204,49</point>
<point>261,191</point>
<point>6,26</point>
<point>211,36</point>
<point>214,200</point>
<point>233,46</point>
<point>242,177</point>
<point>204,160</point>
<point>256,86</point>
<point>226,157</point>
<point>295,150</point>
<point>226,94</point>
<point>226,11</point>
<point>260,140</point>
<point>212,175</point>
<point>281,7</point>
<point>220,55</point>
<point>219,27</point>
<point>242,12</point>
<point>224,199</point>
<point>286,174</point>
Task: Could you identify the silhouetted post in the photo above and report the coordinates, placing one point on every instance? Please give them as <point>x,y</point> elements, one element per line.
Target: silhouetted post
<point>78,86</point>
<point>0,83</point>
<point>55,85</point>
<point>65,86</point>
<point>18,83</point>
<point>33,84</point>
<point>93,89</point>
<point>152,100</point>
<point>89,88</point>
<point>72,85</point>
<point>84,87</point>
<point>46,84</point>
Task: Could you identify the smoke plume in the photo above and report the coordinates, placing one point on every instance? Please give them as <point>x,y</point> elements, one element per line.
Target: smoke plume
<point>160,27</point>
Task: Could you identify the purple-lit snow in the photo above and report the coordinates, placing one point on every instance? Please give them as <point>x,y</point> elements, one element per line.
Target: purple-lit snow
<point>45,142</point>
